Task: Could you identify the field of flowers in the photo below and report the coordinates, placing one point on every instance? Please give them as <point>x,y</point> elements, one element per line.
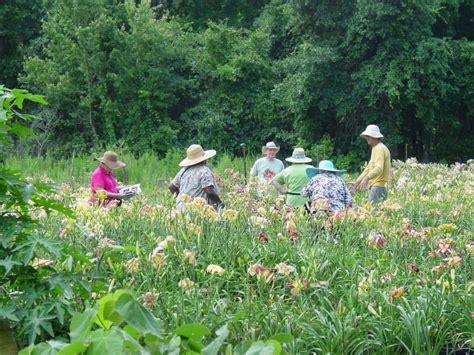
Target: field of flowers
<point>392,279</point>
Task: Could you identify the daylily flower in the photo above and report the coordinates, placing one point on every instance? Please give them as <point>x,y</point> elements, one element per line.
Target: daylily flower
<point>396,292</point>
<point>106,242</point>
<point>186,284</point>
<point>297,286</point>
<point>185,198</point>
<point>215,269</point>
<point>149,298</point>
<point>158,258</point>
<point>317,284</point>
<point>133,265</point>
<point>188,254</point>
<point>386,277</point>
<point>262,272</point>
<point>263,237</point>
<point>438,268</point>
<point>284,269</point>
<point>229,214</point>
<point>165,243</point>
<point>447,227</point>
<point>199,201</point>
<point>376,240</point>
<point>443,248</point>
<point>363,287</point>
<point>453,261</point>
<point>470,247</point>
<point>413,267</point>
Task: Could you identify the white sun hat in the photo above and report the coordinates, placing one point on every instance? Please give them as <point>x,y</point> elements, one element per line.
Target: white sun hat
<point>195,154</point>
<point>270,145</point>
<point>372,131</point>
<point>298,157</point>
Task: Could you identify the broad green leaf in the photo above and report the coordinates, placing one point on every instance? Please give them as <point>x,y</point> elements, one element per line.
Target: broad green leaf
<point>132,343</point>
<point>106,307</point>
<point>38,99</point>
<point>75,348</point>
<point>192,331</point>
<point>213,347</point>
<point>271,347</point>
<point>81,324</point>
<point>8,264</point>
<point>22,131</point>
<point>8,313</point>
<point>138,316</point>
<point>105,342</point>
<point>282,337</point>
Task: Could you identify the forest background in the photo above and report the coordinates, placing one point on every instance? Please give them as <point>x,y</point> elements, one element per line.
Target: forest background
<point>154,76</point>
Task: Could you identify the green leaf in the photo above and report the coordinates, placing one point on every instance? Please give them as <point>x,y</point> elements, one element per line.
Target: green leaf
<point>101,318</point>
<point>8,264</point>
<point>138,316</point>
<point>271,347</point>
<point>282,337</point>
<point>192,331</point>
<point>22,131</point>
<point>105,342</point>
<point>38,99</point>
<point>81,324</point>
<point>132,343</point>
<point>8,313</point>
<point>75,348</point>
<point>213,347</point>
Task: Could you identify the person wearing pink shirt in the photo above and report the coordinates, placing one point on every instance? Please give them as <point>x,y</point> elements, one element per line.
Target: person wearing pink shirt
<point>103,183</point>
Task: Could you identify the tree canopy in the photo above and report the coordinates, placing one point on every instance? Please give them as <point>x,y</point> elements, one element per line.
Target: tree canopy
<point>163,74</point>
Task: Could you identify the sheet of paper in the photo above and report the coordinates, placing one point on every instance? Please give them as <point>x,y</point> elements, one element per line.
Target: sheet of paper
<point>131,190</point>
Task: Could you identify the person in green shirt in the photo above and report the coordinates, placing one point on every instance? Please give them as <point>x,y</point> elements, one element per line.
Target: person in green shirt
<point>377,173</point>
<point>294,178</point>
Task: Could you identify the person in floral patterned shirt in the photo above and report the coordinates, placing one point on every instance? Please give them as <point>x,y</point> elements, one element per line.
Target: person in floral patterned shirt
<point>326,189</point>
<point>196,179</point>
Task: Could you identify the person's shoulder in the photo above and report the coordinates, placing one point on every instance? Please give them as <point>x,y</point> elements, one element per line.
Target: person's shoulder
<point>97,171</point>
<point>203,169</point>
<point>279,161</point>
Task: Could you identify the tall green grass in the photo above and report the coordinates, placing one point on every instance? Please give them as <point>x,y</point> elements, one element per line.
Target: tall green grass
<point>148,169</point>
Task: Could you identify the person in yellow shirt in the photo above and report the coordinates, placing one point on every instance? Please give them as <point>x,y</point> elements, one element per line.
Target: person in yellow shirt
<point>375,176</point>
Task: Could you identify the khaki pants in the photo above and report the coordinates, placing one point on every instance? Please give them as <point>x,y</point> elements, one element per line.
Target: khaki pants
<point>377,194</point>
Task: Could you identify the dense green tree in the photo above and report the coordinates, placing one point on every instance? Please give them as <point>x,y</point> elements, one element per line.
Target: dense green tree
<point>20,23</point>
<point>311,73</point>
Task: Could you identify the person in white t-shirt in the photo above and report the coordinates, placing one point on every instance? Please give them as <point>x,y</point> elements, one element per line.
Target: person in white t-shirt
<point>266,168</point>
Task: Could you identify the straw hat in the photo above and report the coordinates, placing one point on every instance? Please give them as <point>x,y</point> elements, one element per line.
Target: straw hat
<point>298,157</point>
<point>372,131</point>
<point>195,154</point>
<point>324,165</point>
<point>270,145</point>
<point>111,160</point>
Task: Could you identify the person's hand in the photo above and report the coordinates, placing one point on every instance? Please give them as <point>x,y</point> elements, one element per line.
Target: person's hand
<point>364,183</point>
<point>113,204</point>
<point>353,187</point>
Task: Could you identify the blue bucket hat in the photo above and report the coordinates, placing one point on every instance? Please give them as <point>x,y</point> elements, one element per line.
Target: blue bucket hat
<point>324,165</point>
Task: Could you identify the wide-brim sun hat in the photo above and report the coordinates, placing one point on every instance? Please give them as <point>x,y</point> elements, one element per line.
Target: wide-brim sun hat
<point>372,131</point>
<point>298,157</point>
<point>270,145</point>
<point>195,154</point>
<point>324,165</point>
<point>111,160</point>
